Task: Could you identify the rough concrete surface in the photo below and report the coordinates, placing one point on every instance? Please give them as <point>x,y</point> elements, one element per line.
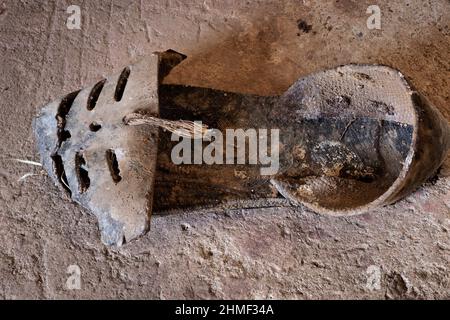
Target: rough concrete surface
<point>244,46</point>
